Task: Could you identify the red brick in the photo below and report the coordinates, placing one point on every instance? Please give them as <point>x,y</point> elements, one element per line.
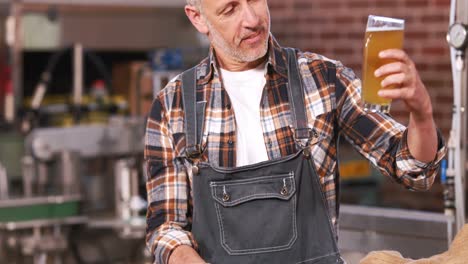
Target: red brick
<point>447,100</point>
<point>438,18</point>
<point>341,51</point>
<point>345,20</point>
<point>355,35</point>
<point>329,4</point>
<point>422,69</point>
<point>278,4</point>
<point>386,3</point>
<point>359,4</point>
<point>416,3</point>
<point>442,66</point>
<point>330,35</point>
<point>335,28</point>
<point>313,20</point>
<point>442,2</point>
<point>435,83</point>
<point>416,35</point>
<point>301,5</point>
<point>435,50</point>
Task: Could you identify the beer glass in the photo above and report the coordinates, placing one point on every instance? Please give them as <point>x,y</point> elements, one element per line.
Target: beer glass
<point>382,33</point>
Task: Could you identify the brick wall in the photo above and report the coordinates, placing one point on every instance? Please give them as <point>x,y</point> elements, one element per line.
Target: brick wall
<point>335,28</point>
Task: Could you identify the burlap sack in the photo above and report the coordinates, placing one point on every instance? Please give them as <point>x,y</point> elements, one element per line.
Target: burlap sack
<point>457,254</point>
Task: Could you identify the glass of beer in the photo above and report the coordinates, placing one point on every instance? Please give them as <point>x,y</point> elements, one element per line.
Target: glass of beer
<point>382,33</point>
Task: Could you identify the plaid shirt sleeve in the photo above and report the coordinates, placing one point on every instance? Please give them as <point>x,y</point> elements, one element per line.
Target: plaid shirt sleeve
<point>381,139</point>
<point>167,183</point>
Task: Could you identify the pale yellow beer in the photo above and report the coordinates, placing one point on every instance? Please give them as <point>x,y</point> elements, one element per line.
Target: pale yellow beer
<point>377,40</point>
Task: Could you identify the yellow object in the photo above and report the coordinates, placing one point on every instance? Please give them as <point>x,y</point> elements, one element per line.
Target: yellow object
<point>98,110</point>
<point>377,40</point>
<point>356,169</point>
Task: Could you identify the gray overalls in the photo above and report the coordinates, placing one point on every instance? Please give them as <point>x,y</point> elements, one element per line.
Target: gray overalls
<point>270,212</point>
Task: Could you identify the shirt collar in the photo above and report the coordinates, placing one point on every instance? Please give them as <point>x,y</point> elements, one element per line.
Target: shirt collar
<point>276,62</point>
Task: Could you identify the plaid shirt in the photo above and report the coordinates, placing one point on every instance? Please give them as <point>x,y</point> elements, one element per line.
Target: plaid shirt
<point>333,108</point>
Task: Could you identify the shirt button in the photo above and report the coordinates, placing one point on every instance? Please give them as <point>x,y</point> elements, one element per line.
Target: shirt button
<point>228,106</point>
<point>270,143</point>
<point>230,142</point>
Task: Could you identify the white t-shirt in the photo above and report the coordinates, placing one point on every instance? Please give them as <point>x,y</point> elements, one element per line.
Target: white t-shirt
<point>245,91</point>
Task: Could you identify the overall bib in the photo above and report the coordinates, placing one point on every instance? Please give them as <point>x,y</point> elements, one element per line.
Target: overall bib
<point>270,212</point>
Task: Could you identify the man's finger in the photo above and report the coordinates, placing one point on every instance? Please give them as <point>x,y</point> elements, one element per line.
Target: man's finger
<point>391,68</point>
<point>396,54</point>
<point>394,80</point>
<point>402,93</point>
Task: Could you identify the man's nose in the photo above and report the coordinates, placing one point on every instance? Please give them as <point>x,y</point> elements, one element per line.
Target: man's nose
<point>250,18</point>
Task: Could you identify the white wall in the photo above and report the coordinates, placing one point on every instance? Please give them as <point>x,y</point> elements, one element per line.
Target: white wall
<point>131,30</point>
<point>123,28</point>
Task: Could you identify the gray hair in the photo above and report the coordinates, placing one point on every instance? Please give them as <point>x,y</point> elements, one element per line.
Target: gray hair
<point>195,3</point>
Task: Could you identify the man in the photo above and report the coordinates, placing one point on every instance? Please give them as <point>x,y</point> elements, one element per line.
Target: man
<point>256,192</point>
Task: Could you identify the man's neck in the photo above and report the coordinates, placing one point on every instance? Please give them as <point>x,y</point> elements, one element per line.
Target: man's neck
<point>237,66</point>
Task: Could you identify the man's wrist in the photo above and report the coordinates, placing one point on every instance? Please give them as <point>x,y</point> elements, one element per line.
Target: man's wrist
<point>185,254</point>
<point>425,115</point>
<point>422,120</point>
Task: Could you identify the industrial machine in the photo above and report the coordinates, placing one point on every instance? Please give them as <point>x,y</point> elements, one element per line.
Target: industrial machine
<point>73,186</point>
<point>86,178</point>
<point>79,193</point>
<point>457,37</point>
<point>60,190</point>
<point>59,193</point>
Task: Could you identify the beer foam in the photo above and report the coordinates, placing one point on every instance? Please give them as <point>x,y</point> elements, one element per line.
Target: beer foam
<point>377,29</point>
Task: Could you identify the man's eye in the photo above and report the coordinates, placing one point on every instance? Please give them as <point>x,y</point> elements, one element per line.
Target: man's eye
<point>229,11</point>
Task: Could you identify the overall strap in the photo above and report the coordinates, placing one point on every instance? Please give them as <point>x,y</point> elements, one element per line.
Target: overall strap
<point>302,133</point>
<point>194,114</point>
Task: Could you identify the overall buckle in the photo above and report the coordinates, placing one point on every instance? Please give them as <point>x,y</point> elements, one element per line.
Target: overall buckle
<point>193,152</point>
<point>303,136</point>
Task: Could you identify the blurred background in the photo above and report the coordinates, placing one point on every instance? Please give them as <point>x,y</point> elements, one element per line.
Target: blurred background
<point>77,78</point>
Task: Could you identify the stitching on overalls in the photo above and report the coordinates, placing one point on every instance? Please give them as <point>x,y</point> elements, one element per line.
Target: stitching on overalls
<point>258,250</point>
<point>317,258</point>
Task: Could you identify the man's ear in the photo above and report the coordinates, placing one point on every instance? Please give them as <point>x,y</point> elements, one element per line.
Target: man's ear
<point>196,18</point>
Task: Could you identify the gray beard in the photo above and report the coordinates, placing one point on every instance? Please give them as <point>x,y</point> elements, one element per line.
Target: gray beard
<point>219,42</point>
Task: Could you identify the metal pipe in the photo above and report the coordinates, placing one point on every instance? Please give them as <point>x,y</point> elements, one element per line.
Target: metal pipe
<point>451,170</point>
<point>462,16</point>
<point>28,172</point>
<point>16,47</point>
<point>57,231</point>
<point>69,172</point>
<point>457,142</point>
<point>78,74</point>
<point>122,173</point>
<point>134,190</point>
<point>42,178</point>
<point>3,183</point>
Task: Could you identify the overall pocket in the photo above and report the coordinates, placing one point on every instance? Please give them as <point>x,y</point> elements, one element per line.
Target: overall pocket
<point>256,215</point>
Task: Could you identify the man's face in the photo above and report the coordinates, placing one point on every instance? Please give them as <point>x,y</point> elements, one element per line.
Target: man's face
<point>238,29</point>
